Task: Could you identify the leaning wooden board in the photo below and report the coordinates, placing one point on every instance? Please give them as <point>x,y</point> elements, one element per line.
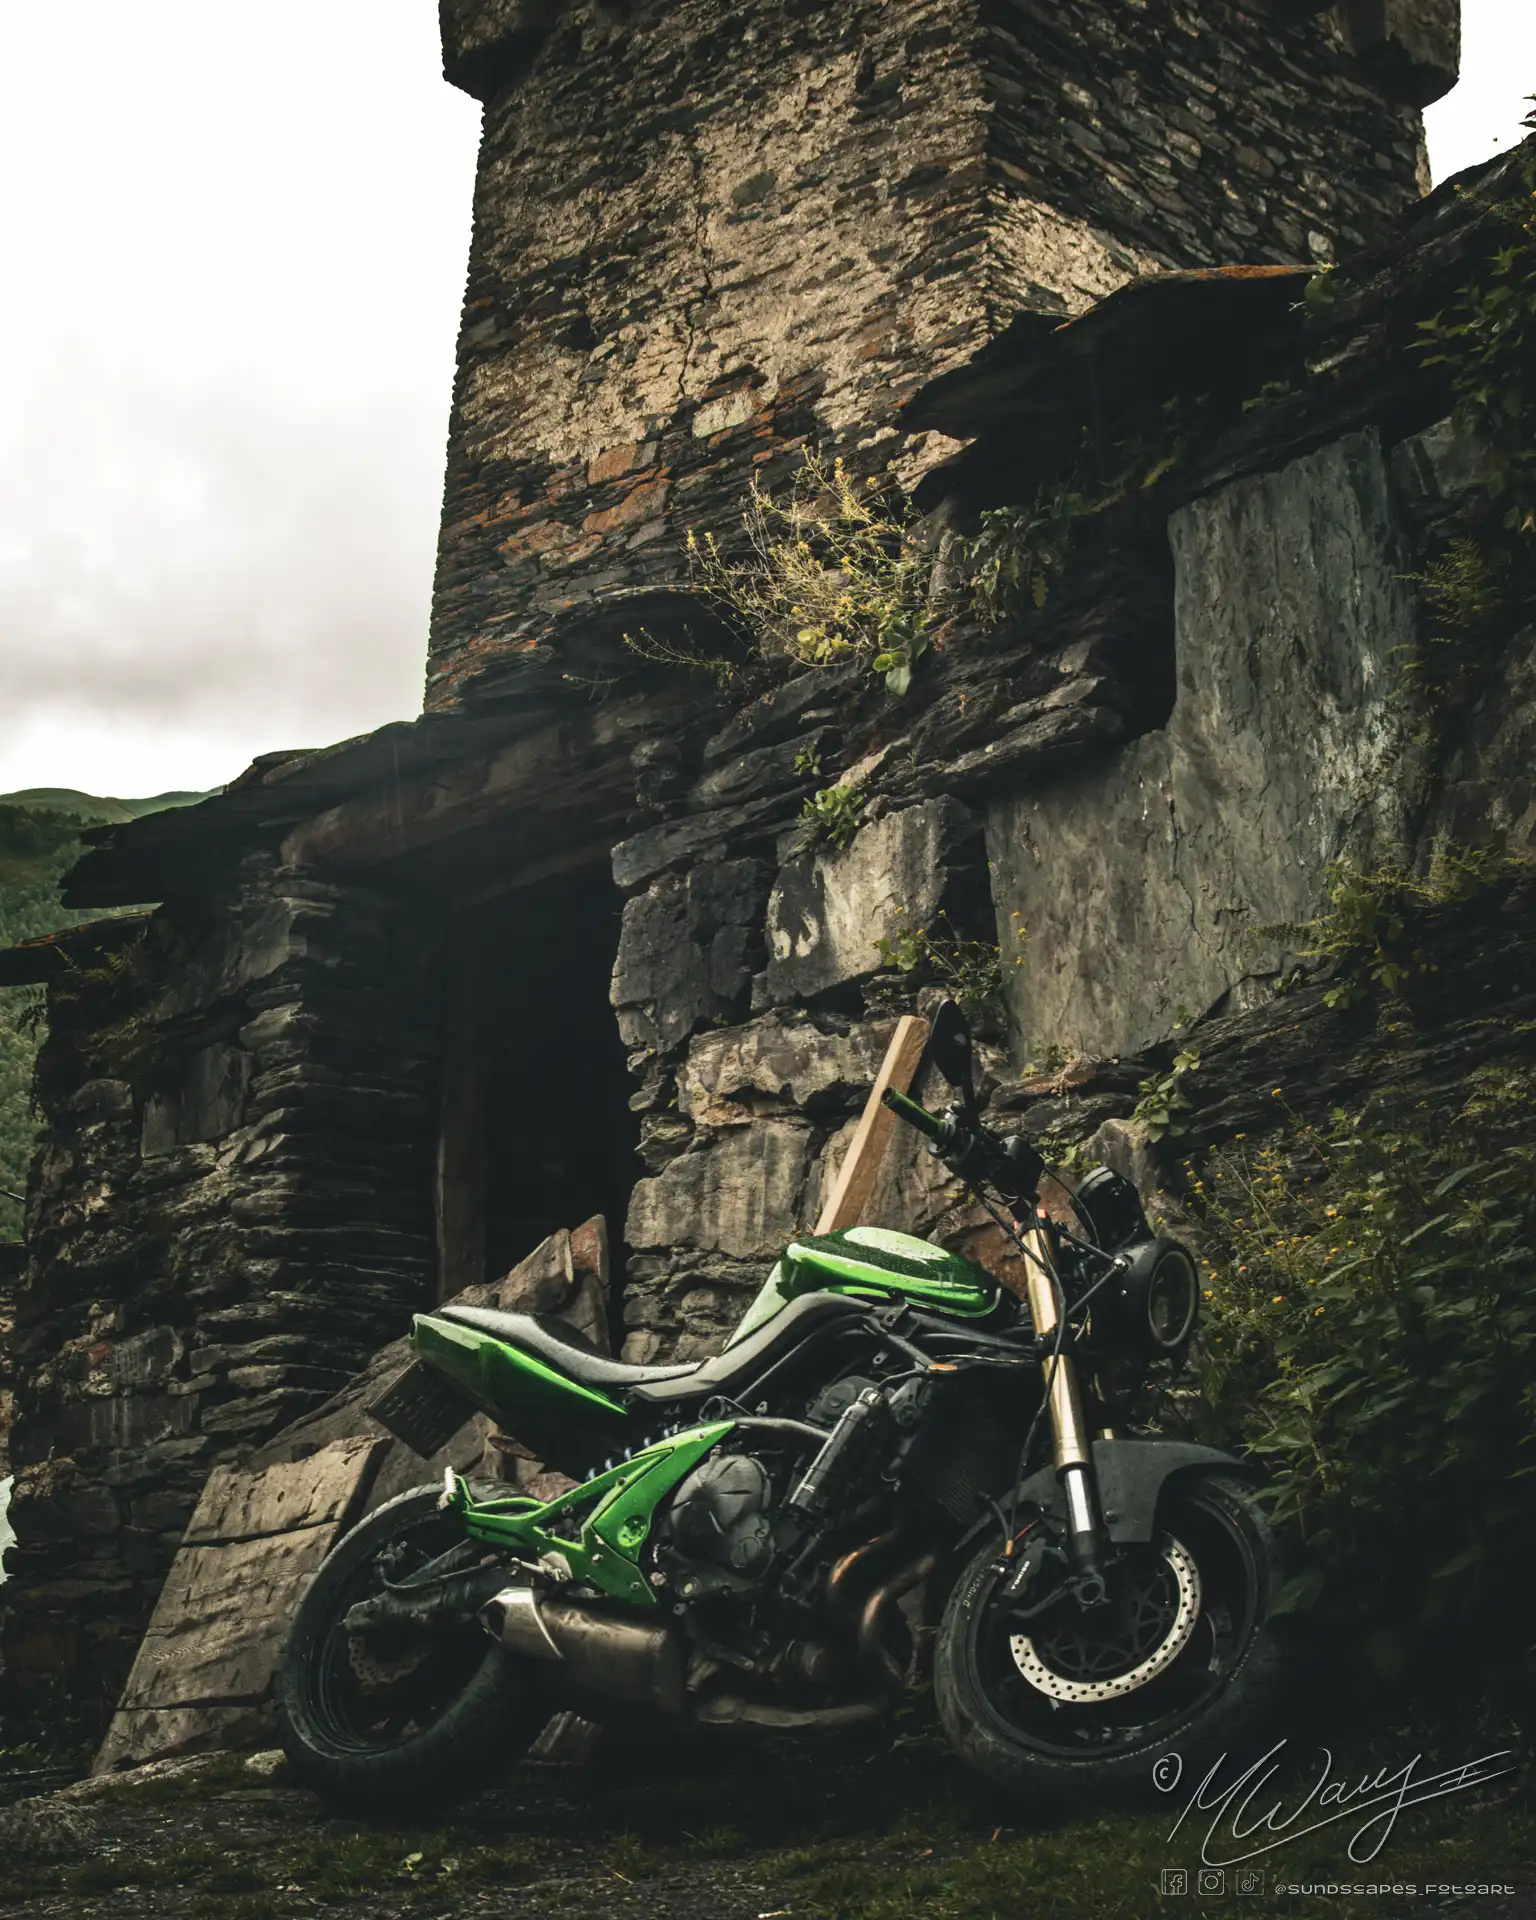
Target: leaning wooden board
<point>206,1662</point>
<point>856,1177</point>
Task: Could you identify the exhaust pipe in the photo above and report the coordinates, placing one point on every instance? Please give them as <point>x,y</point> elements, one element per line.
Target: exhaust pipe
<point>875,1656</point>
<point>841,1579</point>
<point>605,1660</point>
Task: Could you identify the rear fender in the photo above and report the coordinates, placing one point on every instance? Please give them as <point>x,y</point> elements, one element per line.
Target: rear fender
<point>516,1388</point>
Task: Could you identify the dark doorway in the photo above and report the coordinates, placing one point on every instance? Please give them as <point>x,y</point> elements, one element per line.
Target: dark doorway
<point>538,1133</point>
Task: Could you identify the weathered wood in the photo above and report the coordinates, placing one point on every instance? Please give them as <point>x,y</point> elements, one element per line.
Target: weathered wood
<point>404,815</point>
<point>861,1166</point>
<point>205,1665</point>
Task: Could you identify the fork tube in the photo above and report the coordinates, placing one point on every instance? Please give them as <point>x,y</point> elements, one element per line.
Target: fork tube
<point>1069,1427</point>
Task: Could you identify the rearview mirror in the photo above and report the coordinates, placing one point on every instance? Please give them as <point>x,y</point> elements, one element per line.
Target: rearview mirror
<point>949,1048</point>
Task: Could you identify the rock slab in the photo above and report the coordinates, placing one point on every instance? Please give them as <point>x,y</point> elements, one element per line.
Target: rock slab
<point>205,1665</point>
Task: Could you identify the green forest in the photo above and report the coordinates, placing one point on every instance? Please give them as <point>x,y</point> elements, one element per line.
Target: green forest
<point>39,841</point>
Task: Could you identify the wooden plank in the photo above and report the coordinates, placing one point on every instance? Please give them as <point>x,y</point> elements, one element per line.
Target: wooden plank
<point>861,1164</point>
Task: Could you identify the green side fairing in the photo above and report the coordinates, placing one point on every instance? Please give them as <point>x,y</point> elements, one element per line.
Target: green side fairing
<point>600,1527</point>
<point>874,1262</point>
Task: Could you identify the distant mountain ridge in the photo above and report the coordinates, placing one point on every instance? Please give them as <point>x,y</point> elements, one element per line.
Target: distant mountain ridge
<point>90,806</point>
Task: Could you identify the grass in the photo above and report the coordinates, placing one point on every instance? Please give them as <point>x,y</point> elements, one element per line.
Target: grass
<point>1112,1870</point>
<point>829,1831</point>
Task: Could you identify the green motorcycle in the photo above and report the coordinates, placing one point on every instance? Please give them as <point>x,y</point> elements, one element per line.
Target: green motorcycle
<point>896,1473</point>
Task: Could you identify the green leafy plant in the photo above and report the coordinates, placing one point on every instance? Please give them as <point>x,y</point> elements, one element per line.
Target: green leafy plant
<point>833,815</point>
<point>1269,395</point>
<point>1486,340</point>
<point>1465,591</point>
<point>1019,552</point>
<point>1466,588</point>
<point>808,761</point>
<point>1071,1156</point>
<point>1163,1104</point>
<point>970,971</point>
<point>1371,1333</point>
<point>1366,937</point>
<point>836,572</point>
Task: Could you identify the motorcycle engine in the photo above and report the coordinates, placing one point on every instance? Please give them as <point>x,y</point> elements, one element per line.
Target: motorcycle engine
<point>717,1536</point>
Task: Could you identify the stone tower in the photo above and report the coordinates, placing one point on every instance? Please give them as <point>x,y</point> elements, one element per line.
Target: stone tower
<point>710,231</point>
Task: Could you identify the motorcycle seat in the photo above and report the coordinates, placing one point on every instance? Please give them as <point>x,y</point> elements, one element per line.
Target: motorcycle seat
<point>561,1346</point>
<point>733,1372</point>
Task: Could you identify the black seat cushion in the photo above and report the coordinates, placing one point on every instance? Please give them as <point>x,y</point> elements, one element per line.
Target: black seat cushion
<point>731,1373</point>
<point>561,1346</point>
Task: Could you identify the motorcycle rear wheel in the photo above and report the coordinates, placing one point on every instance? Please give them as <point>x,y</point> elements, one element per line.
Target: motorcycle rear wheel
<point>406,1722</point>
<point>1087,1703</point>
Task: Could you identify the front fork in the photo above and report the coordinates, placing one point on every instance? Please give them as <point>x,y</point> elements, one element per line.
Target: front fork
<point>1073,1443</point>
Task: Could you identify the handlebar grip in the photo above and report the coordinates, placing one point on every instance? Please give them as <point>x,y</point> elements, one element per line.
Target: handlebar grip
<point>925,1122</point>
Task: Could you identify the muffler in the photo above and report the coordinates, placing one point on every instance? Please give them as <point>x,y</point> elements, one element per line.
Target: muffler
<point>604,1660</point>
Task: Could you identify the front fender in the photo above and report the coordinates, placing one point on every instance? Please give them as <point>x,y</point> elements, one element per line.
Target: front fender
<point>1131,1475</point>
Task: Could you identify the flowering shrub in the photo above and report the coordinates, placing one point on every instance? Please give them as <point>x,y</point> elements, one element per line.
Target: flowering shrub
<point>1371,1334</point>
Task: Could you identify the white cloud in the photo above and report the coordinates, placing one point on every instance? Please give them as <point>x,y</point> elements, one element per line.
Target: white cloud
<point>1481,115</point>
<point>236,244</point>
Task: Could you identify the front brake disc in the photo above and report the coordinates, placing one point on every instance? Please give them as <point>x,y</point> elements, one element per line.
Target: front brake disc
<point>1069,1664</point>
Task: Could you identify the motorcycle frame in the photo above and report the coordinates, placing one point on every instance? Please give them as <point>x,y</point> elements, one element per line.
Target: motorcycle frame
<point>603,1552</point>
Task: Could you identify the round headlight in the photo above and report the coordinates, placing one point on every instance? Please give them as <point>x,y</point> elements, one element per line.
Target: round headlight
<point>1151,1308</point>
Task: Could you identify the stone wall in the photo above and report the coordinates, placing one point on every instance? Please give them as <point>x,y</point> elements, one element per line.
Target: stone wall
<point>10,1270</point>
<point>232,1209</point>
<point>1143,883</point>
<point>1130,883</point>
<point>1126,859</point>
<point>705,235</point>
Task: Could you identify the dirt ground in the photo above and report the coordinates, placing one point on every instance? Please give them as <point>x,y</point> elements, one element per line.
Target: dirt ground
<point>683,1832</point>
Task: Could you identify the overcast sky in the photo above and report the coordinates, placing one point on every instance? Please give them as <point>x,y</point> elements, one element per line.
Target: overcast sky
<point>233,252</point>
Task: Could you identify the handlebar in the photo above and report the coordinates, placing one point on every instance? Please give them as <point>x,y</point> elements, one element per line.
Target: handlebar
<point>966,1147</point>
<point>931,1125</point>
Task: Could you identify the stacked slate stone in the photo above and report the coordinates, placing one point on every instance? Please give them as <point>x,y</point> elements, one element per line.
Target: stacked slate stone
<point>708,234</point>
<point>233,1209</point>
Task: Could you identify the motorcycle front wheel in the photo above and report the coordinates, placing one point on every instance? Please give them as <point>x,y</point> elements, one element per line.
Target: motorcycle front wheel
<point>402,1721</point>
<point>1183,1659</point>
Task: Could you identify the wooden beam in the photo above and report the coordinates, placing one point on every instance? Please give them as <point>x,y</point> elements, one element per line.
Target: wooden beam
<point>861,1164</point>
